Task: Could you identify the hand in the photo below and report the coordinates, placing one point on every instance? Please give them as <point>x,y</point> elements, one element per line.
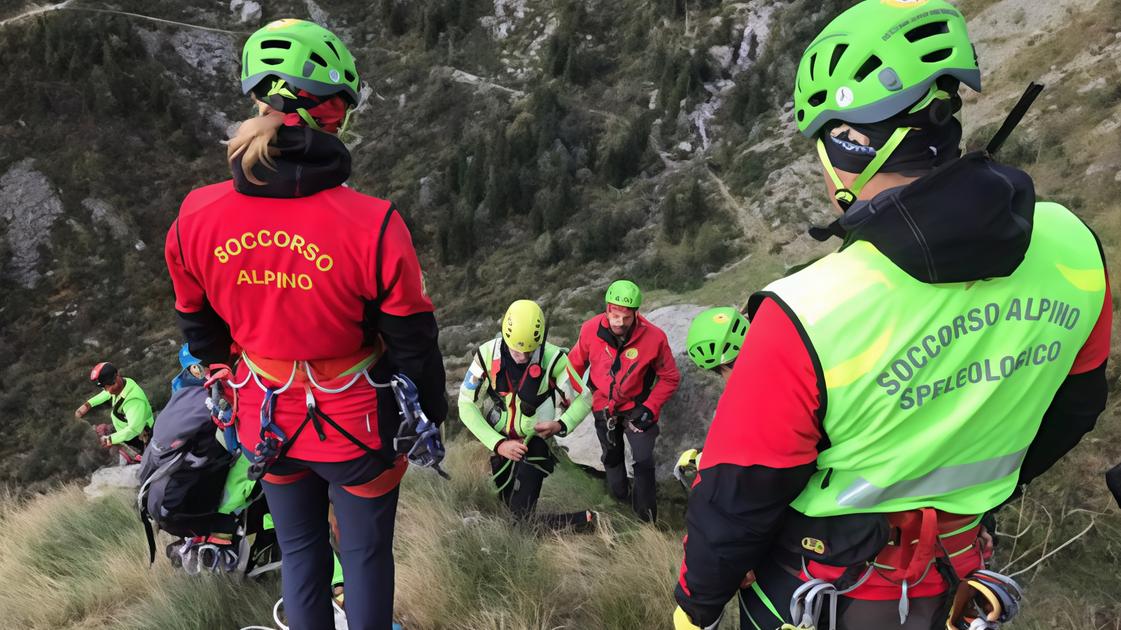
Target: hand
<point>81,411</point>
<point>639,419</point>
<point>513,450</point>
<point>106,441</point>
<point>748,580</point>
<point>547,429</point>
<point>986,543</point>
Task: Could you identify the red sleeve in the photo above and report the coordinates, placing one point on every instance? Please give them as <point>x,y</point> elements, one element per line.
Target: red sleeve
<point>668,379</point>
<point>767,414</point>
<point>404,291</point>
<point>189,295</point>
<point>578,356</point>
<point>1096,349</point>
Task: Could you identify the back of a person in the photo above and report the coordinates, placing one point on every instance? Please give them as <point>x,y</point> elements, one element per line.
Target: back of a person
<point>952,381</point>
<point>308,261</point>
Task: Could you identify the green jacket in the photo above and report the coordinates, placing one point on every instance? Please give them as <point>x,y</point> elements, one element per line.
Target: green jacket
<point>506,418</point>
<point>131,412</point>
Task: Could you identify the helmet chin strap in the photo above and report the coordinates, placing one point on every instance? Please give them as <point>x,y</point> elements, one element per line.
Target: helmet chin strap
<point>846,196</point>
<point>308,118</point>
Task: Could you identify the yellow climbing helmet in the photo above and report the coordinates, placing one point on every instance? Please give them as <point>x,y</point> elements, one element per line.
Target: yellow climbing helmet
<point>523,326</point>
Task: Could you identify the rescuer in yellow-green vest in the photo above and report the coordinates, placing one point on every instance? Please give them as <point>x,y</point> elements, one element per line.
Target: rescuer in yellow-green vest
<point>890,395</point>
<point>533,394</point>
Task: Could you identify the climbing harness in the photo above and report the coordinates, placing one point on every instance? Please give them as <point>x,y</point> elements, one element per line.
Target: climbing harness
<point>418,438</point>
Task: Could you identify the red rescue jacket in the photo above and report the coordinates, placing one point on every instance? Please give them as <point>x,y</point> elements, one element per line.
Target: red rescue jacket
<point>296,279</point>
<point>640,372</point>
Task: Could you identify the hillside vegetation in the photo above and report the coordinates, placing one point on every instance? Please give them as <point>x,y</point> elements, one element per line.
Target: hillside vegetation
<point>538,148</point>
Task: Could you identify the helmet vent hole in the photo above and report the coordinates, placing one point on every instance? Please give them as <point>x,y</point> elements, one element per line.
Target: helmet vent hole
<point>938,55</point>
<point>836,58</point>
<point>276,43</point>
<point>349,76</point>
<point>869,66</point>
<point>801,115</point>
<point>817,98</point>
<point>272,61</point>
<point>712,348</point>
<point>317,59</point>
<point>927,30</point>
<point>332,47</point>
<point>813,63</point>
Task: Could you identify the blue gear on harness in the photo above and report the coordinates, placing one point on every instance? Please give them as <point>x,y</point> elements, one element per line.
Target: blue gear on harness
<point>273,438</point>
<point>418,438</point>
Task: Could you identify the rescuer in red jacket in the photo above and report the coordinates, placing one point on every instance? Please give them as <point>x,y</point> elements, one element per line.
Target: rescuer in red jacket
<point>632,373</point>
<point>319,288</point>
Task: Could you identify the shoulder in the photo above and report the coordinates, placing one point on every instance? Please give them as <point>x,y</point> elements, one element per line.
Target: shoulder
<point>201,198</point>
<point>590,327</point>
<point>362,209</point>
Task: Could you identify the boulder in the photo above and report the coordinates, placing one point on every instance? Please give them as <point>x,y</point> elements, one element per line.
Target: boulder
<point>111,478</point>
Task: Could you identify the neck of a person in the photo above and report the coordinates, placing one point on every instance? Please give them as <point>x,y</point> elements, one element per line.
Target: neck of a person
<point>879,183</point>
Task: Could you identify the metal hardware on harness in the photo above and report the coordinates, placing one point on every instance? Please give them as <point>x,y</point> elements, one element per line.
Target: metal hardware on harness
<point>418,438</point>
<point>984,600</point>
<point>808,601</point>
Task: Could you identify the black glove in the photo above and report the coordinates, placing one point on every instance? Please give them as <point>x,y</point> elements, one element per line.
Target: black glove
<point>639,418</point>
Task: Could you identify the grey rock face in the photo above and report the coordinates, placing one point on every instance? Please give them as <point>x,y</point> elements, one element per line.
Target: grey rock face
<point>101,212</point>
<point>29,206</point>
<point>106,480</point>
<point>247,11</point>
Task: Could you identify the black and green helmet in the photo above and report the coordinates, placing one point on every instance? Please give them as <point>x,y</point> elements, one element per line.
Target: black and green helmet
<point>300,54</point>
<point>879,58</point>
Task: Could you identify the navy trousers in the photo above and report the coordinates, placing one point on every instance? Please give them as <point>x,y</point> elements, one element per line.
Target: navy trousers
<point>298,495</point>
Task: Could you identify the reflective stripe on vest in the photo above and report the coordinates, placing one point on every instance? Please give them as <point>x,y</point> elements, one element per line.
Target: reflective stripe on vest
<point>933,392</point>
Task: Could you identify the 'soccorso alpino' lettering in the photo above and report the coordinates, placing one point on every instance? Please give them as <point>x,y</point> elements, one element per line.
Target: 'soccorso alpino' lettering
<point>281,239</point>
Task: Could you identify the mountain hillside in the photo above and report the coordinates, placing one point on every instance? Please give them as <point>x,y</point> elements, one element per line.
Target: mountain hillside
<point>537,148</point>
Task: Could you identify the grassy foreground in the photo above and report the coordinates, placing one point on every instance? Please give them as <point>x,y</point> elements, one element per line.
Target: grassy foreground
<point>70,562</point>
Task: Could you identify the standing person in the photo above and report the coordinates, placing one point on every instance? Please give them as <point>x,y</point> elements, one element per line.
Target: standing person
<point>129,411</point>
<point>527,381</point>
<point>953,349</point>
<point>320,288</point>
<point>632,373</point>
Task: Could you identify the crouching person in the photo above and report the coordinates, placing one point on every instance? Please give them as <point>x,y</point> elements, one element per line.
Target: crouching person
<point>527,381</point>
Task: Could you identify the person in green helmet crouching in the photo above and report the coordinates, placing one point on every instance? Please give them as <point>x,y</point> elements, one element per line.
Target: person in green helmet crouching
<point>891,394</point>
<point>533,394</point>
<point>632,373</point>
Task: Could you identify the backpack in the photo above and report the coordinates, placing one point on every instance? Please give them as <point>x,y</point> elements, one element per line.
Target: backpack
<point>183,472</point>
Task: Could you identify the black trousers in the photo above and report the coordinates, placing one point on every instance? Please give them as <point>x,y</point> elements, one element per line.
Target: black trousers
<point>519,485</point>
<point>778,584</point>
<point>299,507</point>
<point>644,499</point>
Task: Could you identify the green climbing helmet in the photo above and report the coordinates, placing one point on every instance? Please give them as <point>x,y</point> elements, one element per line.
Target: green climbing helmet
<point>624,293</point>
<point>879,58</point>
<point>300,54</point>
<point>715,337</point>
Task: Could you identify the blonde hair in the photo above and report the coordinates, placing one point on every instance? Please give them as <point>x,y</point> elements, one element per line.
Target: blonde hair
<point>253,141</point>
